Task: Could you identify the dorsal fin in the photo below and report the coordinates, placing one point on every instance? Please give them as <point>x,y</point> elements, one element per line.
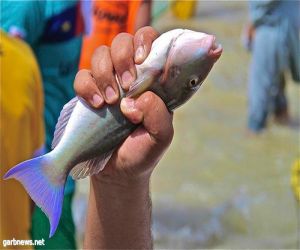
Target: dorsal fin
<point>86,168</point>
<point>63,121</point>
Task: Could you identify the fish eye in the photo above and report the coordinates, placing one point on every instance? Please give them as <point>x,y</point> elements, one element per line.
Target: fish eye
<point>193,82</point>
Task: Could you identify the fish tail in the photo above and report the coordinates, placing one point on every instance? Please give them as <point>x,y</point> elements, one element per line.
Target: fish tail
<point>44,184</point>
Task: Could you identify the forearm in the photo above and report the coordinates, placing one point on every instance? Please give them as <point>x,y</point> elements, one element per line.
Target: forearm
<point>119,216</point>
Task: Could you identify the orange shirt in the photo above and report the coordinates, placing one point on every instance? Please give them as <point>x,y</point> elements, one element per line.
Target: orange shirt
<point>108,18</point>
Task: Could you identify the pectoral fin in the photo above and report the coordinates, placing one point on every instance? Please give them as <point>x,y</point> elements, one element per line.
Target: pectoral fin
<point>90,167</point>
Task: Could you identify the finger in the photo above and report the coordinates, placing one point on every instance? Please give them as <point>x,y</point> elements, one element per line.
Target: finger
<point>103,72</point>
<point>143,40</point>
<point>85,87</point>
<point>153,113</point>
<point>130,110</point>
<point>122,57</point>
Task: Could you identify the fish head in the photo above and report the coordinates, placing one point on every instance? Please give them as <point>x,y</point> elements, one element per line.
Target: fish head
<point>191,57</point>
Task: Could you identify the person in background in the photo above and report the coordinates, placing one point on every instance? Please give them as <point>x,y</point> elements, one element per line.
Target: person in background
<point>105,19</point>
<point>183,9</point>
<point>54,31</point>
<point>22,132</point>
<point>119,209</point>
<point>273,36</point>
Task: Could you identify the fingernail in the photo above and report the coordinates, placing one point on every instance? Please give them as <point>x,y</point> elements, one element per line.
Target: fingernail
<point>127,104</point>
<point>110,93</point>
<point>127,78</point>
<point>97,100</point>
<point>139,54</point>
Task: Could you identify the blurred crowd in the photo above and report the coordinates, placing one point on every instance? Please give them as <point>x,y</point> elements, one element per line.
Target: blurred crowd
<point>44,43</point>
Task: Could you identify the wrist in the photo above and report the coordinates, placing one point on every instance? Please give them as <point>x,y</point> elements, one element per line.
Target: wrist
<point>123,178</point>
<point>121,186</point>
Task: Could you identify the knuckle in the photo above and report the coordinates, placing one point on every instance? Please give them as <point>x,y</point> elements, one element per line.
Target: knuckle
<point>149,99</point>
<point>81,73</point>
<point>81,77</point>
<point>81,88</point>
<point>146,33</point>
<point>121,36</point>
<point>150,31</point>
<point>89,82</point>
<point>100,59</point>
<point>100,50</point>
<point>83,84</point>
<point>122,50</point>
<point>102,72</point>
<point>103,80</point>
<point>122,57</point>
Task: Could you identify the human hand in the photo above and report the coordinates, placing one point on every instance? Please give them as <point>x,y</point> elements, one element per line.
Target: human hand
<point>135,159</point>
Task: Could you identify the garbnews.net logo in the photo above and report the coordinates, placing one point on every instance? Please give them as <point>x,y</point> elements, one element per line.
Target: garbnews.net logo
<point>14,242</point>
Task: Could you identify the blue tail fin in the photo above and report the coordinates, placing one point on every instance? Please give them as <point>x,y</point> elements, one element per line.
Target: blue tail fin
<point>44,185</point>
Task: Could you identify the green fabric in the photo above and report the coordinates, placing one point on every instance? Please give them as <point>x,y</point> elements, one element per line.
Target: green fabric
<point>30,16</point>
<point>58,71</point>
<point>25,16</point>
<point>64,237</point>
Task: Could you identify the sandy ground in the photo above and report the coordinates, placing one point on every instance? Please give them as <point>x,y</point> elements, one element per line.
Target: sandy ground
<point>216,187</point>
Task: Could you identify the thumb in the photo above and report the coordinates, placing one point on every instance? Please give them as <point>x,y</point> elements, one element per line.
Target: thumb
<point>151,111</point>
<point>129,109</point>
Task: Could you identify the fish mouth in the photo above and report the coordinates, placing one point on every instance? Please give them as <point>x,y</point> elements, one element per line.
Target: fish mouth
<point>215,50</point>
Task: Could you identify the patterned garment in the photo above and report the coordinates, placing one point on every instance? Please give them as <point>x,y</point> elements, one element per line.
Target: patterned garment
<point>104,20</point>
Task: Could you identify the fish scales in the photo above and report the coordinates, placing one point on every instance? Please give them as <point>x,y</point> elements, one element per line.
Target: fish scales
<point>108,123</point>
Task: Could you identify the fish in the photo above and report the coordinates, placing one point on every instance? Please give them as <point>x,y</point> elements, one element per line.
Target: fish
<point>85,138</point>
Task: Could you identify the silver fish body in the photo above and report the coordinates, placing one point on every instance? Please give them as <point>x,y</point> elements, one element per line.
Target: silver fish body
<point>91,133</point>
<point>85,138</point>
